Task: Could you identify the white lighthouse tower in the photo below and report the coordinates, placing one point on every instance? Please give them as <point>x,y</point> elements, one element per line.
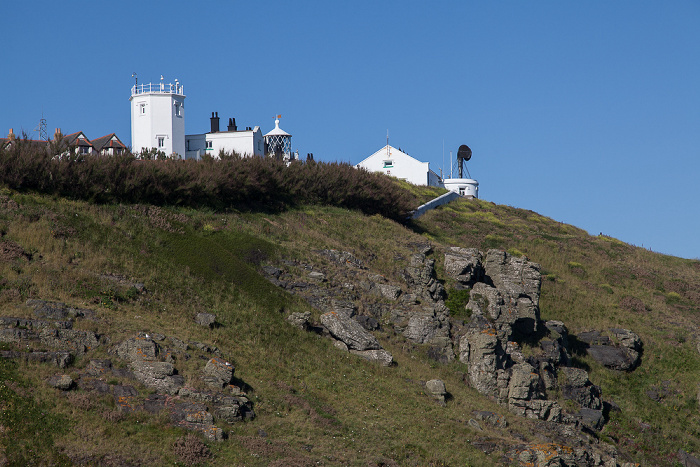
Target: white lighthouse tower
<point>158,117</point>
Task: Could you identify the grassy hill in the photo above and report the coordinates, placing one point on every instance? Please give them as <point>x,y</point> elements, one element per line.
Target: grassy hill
<point>315,405</point>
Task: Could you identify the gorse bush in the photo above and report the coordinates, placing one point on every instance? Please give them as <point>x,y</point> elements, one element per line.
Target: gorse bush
<point>230,183</point>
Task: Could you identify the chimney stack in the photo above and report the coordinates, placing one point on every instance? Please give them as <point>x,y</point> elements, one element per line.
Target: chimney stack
<point>215,122</point>
<point>232,124</point>
<point>57,134</point>
<point>11,135</point>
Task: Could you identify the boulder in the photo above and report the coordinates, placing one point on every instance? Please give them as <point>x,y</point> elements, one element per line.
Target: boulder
<point>481,349</point>
<point>615,358</point>
<point>380,356</point>
<point>592,418</point>
<point>205,319</point>
<point>464,266</point>
<point>509,313</point>
<point>299,319</point>
<point>349,332</point>
<point>218,373</point>
<point>388,291</point>
<point>436,388</point>
<point>62,382</point>
<point>158,375</point>
<point>136,348</point>
<point>317,276</point>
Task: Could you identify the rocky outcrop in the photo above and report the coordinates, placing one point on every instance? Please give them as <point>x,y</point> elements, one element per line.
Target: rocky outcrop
<point>421,279</point>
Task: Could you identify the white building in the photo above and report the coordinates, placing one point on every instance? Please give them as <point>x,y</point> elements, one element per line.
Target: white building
<point>397,163</point>
<point>464,186</point>
<point>158,117</point>
<point>248,142</point>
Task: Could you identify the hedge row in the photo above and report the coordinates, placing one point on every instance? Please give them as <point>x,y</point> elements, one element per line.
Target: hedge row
<point>230,183</point>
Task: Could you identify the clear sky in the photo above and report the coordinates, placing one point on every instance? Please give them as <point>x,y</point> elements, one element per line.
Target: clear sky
<point>586,112</point>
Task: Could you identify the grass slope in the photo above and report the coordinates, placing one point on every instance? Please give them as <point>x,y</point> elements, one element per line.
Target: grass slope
<point>313,403</point>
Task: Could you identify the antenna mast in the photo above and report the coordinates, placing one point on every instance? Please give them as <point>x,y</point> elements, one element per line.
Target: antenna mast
<point>41,128</point>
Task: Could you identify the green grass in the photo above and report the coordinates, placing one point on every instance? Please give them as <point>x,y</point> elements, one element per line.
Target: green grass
<point>306,392</point>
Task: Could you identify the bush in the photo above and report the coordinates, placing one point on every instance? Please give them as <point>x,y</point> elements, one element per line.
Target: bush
<point>230,183</point>
<point>191,450</point>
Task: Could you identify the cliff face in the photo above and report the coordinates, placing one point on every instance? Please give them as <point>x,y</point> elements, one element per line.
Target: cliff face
<point>478,335</point>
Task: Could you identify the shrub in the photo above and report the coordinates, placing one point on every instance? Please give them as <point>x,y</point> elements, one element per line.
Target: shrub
<point>191,450</point>
<point>230,183</point>
<point>457,301</point>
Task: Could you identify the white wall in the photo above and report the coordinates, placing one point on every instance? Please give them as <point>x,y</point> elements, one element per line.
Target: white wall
<point>391,161</point>
<point>246,143</point>
<point>153,116</point>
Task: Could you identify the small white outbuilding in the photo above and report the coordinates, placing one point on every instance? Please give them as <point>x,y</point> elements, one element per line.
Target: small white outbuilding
<point>397,163</point>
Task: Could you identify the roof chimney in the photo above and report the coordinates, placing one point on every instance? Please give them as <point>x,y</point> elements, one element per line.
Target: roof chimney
<point>11,135</point>
<point>232,124</point>
<point>215,122</point>
<point>57,134</point>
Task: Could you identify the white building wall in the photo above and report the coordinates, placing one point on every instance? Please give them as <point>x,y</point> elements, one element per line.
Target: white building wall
<point>395,163</point>
<point>157,118</point>
<point>247,143</point>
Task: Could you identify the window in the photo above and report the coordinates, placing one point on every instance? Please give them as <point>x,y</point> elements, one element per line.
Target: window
<point>84,150</point>
<point>209,145</point>
<point>177,109</point>
<point>142,109</point>
<point>388,164</point>
<point>161,141</point>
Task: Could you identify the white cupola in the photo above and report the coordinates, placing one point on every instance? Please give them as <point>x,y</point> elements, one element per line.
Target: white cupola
<point>278,143</point>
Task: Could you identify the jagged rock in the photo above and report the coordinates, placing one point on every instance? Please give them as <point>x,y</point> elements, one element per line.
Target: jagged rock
<point>509,313</point>
<point>218,373</point>
<point>548,455</point>
<point>391,292</point>
<point>56,310</point>
<point>367,322</point>
<point>380,356</point>
<point>481,349</point>
<point>492,418</point>
<point>140,347</point>
<point>464,266</point>
<point>592,418</point>
<point>576,386</point>
<point>14,335</point>
<point>421,279</point>
<point>517,276</point>
<point>343,307</point>
<point>79,341</point>
<point>349,331</point>
<point>205,319</point>
<point>62,382</point>
<point>98,367</point>
<point>124,397</point>
<point>178,344</point>
<point>60,359</point>
<point>299,319</point>
<point>158,375</point>
<point>555,348</point>
<point>342,257</point>
<point>424,327</point>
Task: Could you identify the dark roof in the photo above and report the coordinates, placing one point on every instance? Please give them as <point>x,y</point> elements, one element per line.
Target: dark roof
<point>4,142</point>
<point>107,142</point>
<point>71,139</point>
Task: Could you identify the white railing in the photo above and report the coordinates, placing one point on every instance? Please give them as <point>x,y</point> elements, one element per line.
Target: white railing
<point>162,88</point>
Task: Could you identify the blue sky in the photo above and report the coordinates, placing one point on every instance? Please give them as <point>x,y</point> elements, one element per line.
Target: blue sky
<point>586,112</point>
